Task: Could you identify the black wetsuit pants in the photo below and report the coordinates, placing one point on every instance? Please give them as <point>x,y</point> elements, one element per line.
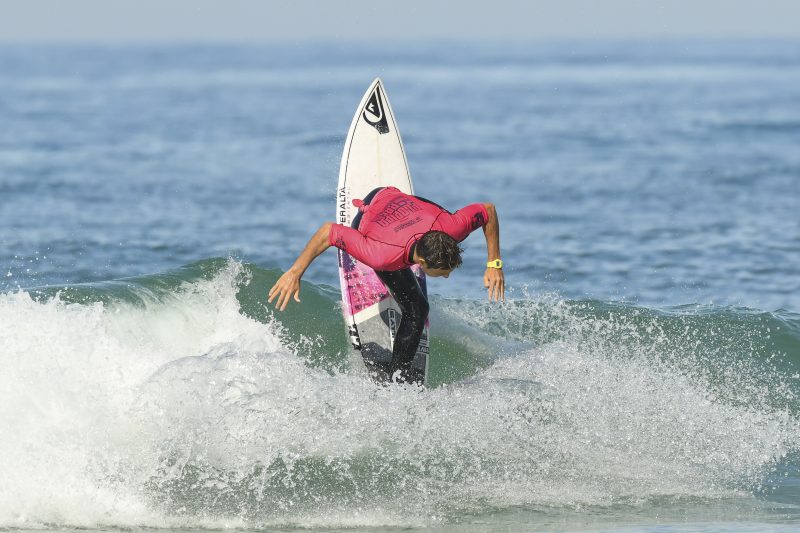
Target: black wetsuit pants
<point>414,307</point>
<point>405,289</point>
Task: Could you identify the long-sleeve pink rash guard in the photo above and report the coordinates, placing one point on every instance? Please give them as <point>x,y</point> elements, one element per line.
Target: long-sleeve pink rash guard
<point>394,221</point>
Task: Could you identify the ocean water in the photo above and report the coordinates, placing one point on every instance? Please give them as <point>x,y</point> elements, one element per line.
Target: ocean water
<point>643,374</point>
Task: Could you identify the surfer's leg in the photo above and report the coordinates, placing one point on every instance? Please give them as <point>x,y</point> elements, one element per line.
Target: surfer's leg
<point>414,307</point>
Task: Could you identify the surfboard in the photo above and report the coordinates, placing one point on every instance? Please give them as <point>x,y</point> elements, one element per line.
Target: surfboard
<point>373,157</point>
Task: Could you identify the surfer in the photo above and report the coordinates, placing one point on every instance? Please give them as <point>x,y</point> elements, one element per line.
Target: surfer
<point>392,232</point>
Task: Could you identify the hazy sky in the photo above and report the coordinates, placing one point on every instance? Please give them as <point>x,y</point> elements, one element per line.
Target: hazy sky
<point>300,20</point>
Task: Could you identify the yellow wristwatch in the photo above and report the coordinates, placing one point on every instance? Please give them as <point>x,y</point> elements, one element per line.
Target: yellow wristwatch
<point>496,263</point>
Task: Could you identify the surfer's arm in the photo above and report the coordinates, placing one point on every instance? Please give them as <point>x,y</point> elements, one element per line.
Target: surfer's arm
<point>288,284</point>
<point>470,218</point>
<point>493,279</point>
<point>375,254</point>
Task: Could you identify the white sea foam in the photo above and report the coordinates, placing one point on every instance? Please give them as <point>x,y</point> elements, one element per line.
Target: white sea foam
<point>71,376</point>
<point>182,412</point>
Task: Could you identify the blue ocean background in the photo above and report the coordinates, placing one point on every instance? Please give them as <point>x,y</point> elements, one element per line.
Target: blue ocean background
<point>644,370</point>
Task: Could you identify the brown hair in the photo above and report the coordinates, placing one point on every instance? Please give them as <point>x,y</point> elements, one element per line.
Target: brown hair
<point>439,250</point>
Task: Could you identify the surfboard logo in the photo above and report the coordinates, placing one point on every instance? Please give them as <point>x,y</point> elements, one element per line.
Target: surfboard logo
<point>352,332</point>
<point>374,112</point>
<point>393,324</point>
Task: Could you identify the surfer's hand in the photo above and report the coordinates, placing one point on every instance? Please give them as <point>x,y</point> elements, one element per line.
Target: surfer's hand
<point>494,280</point>
<point>287,286</point>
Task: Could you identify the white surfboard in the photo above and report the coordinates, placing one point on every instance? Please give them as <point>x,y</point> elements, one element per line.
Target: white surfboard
<point>373,157</point>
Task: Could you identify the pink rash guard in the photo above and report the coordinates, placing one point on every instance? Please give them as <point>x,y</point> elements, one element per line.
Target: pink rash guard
<point>394,221</point>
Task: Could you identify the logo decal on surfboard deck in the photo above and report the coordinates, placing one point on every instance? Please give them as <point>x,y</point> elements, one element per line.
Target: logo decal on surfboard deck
<point>354,340</point>
<point>374,113</point>
<point>393,324</point>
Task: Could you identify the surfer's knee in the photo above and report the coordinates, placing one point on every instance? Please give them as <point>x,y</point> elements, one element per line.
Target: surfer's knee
<point>421,309</point>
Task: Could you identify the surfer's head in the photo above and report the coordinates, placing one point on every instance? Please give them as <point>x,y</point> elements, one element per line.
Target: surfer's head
<point>438,253</point>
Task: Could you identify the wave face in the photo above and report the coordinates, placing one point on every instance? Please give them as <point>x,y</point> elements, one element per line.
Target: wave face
<point>182,400</point>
